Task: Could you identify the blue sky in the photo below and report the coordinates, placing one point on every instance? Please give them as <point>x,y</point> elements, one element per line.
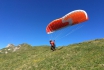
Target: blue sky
<point>25,21</point>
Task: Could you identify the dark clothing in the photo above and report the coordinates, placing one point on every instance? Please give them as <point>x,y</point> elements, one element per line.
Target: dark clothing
<point>53,48</point>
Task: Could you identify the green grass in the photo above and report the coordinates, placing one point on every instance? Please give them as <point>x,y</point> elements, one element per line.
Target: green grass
<point>82,56</point>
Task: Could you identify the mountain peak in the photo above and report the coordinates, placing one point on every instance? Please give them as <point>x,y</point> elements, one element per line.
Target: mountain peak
<point>10,45</point>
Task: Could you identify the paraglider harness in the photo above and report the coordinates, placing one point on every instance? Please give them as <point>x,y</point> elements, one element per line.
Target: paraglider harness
<point>52,45</point>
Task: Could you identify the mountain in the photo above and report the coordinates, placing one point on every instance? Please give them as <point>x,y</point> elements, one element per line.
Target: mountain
<point>12,48</point>
<point>87,55</point>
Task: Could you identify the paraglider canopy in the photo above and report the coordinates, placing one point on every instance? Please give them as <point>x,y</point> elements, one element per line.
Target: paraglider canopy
<point>72,18</point>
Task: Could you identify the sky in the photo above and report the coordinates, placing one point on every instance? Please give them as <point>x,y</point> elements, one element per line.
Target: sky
<point>25,21</point>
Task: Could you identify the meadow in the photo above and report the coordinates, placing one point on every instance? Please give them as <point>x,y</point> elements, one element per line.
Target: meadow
<point>87,55</point>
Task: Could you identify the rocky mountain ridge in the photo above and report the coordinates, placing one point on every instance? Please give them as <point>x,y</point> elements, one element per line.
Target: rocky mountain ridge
<point>10,48</point>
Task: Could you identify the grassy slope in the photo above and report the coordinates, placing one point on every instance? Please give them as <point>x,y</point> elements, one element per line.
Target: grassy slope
<point>82,56</point>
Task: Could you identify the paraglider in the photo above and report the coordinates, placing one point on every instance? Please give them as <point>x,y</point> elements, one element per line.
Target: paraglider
<point>52,43</point>
<point>72,18</point>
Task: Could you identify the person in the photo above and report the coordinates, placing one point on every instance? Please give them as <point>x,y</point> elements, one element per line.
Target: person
<point>52,43</point>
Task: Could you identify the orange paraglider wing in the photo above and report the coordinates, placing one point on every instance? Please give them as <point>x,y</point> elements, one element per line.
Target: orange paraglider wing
<point>72,18</point>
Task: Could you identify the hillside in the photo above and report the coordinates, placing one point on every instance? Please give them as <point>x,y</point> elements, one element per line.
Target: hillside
<point>87,55</point>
